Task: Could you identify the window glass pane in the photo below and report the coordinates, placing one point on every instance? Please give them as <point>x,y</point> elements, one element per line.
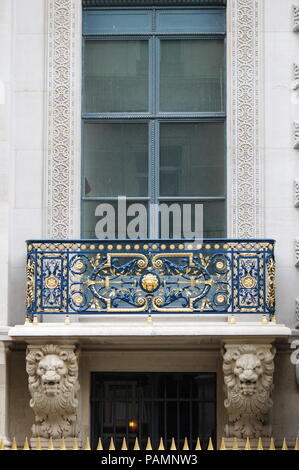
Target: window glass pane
<point>115,159</point>
<point>191,21</point>
<point>117,21</point>
<point>213,219</point>
<point>192,159</point>
<point>115,76</point>
<point>100,220</point>
<point>192,74</point>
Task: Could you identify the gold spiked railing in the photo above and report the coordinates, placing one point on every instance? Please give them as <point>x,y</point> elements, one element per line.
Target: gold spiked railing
<point>161,447</point>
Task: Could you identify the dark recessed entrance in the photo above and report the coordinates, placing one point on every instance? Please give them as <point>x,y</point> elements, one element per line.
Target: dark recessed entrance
<point>153,404</point>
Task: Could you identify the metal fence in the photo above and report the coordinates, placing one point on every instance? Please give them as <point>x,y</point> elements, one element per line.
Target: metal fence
<point>225,444</point>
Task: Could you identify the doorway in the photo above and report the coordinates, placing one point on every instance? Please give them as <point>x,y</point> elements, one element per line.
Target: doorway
<point>153,405</point>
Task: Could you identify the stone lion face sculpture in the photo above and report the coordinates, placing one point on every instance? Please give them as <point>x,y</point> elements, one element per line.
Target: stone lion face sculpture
<point>248,377</point>
<point>53,384</point>
<point>52,371</point>
<point>248,370</point>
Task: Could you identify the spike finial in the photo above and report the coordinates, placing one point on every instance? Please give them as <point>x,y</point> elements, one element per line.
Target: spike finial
<point>186,445</point>
<point>247,444</point>
<point>172,446</point>
<point>136,444</point>
<point>222,444</point>
<point>272,445</point>
<point>198,446</point>
<point>148,444</point>
<point>210,445</point>
<point>111,445</point>
<point>87,444</point>
<point>26,445</point>
<point>284,444</point>
<point>260,445</point>
<point>51,445</point>
<point>161,444</point>
<point>62,447</point>
<point>124,444</point>
<point>14,444</point>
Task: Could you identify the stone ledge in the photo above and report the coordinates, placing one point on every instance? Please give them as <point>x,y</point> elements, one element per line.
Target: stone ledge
<point>141,328</point>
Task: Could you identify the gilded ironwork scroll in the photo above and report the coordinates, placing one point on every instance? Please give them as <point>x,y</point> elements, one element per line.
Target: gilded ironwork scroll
<point>151,276</point>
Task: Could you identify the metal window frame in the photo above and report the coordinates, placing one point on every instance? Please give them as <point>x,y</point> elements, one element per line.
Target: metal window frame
<point>153,117</point>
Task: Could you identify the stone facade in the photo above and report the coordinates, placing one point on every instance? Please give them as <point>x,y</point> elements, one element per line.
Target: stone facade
<point>40,169</point>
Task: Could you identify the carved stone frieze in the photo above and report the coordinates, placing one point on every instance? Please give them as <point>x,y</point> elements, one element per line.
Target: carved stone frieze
<point>297,252</point>
<point>245,122</point>
<point>296,134</point>
<point>63,98</point>
<point>295,18</point>
<point>248,378</point>
<point>53,385</point>
<point>295,85</point>
<point>296,193</point>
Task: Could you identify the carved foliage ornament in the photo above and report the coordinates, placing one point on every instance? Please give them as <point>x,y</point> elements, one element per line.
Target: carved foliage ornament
<point>297,252</point>
<point>295,18</point>
<point>295,84</point>
<point>53,385</point>
<point>248,377</point>
<point>246,121</point>
<point>296,135</point>
<point>60,119</point>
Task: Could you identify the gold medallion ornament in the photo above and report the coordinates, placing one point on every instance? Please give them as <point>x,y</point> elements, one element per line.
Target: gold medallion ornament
<point>78,299</point>
<point>220,265</point>
<point>220,298</point>
<point>79,265</point>
<point>150,282</point>
<point>51,282</point>
<point>248,282</point>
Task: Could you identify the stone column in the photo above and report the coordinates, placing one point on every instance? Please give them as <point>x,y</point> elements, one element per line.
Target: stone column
<point>248,384</point>
<point>53,385</point>
<point>4,351</point>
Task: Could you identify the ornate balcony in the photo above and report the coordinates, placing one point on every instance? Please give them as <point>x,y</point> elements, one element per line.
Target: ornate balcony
<point>150,276</point>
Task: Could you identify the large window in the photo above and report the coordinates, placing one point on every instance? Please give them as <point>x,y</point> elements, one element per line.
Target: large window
<point>153,112</point>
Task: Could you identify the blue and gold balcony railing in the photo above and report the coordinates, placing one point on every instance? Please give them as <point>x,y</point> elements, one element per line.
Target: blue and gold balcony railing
<point>152,276</point>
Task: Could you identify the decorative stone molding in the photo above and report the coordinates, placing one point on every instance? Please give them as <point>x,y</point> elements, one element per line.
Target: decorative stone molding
<point>295,18</point>
<point>63,127</point>
<point>296,193</point>
<point>296,135</point>
<point>295,85</point>
<point>245,124</point>
<point>297,252</point>
<point>53,385</point>
<point>248,378</point>
<point>295,357</point>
